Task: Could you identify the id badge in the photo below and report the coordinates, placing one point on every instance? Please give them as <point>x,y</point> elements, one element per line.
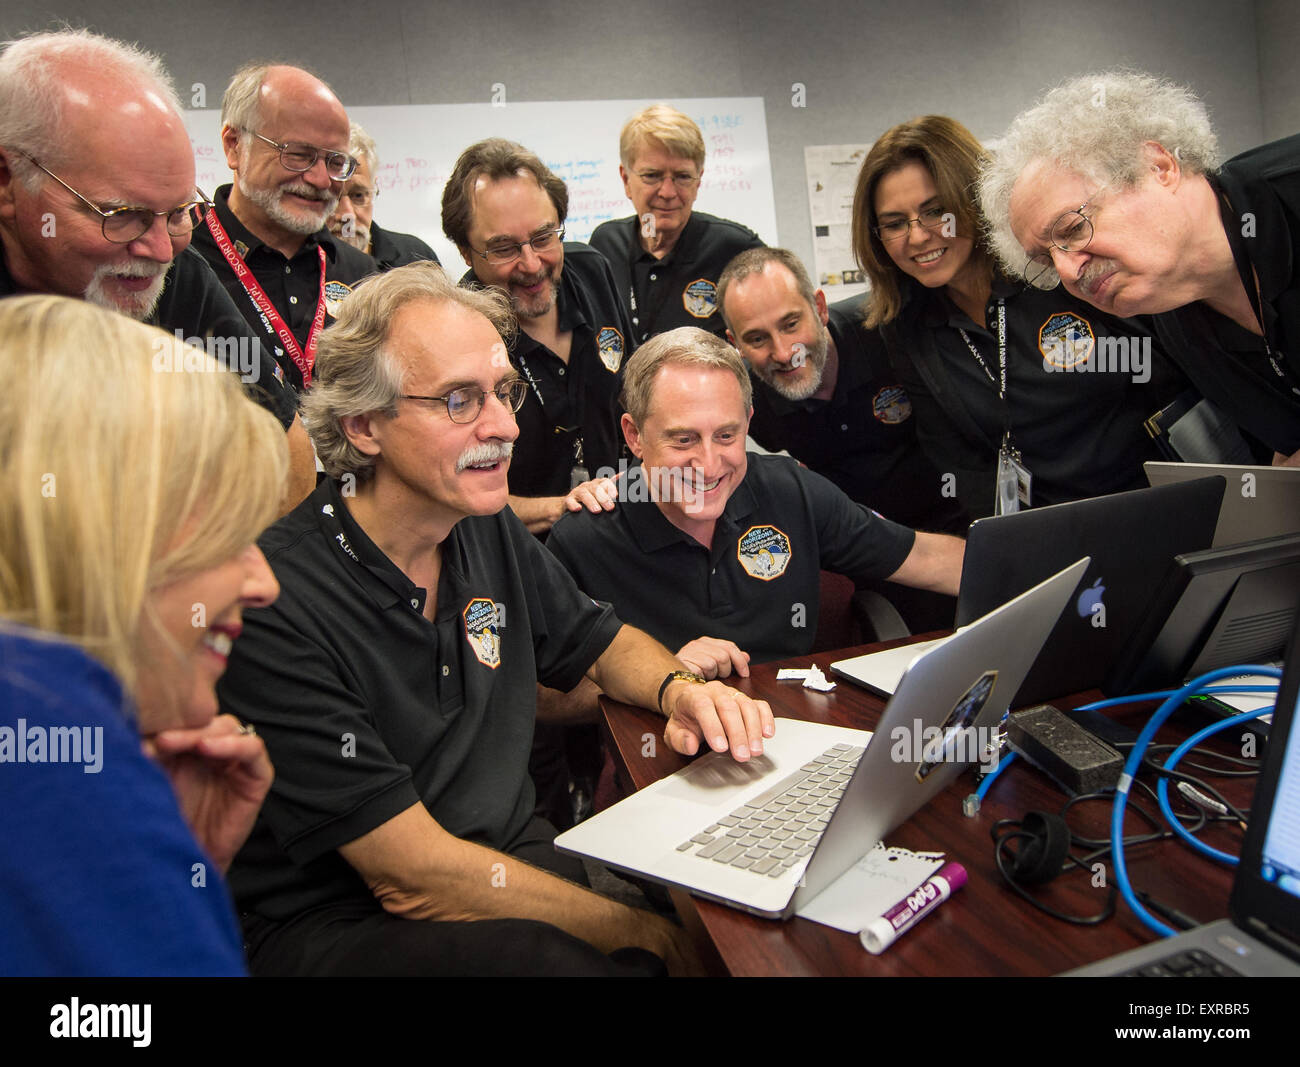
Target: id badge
<point>1014,483</point>
<point>578,472</point>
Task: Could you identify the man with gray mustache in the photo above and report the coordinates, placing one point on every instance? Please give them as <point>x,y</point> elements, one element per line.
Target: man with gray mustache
<point>285,136</point>
<point>395,678</point>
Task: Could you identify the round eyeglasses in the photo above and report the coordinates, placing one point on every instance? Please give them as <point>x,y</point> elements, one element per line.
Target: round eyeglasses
<point>122,225</point>
<point>931,218</point>
<point>300,158</point>
<point>507,252</point>
<point>1071,232</point>
<point>466,404</point>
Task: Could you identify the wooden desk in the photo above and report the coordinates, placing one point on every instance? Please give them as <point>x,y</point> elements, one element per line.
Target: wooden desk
<point>985,929</point>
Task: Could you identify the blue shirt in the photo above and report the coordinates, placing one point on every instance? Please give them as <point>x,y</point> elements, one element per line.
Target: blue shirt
<point>99,875</point>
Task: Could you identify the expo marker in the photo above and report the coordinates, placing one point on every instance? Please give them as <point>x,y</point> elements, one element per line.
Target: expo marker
<point>880,933</point>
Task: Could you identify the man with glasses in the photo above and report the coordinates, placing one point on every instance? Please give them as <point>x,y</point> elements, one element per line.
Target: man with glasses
<point>666,258</point>
<point>285,136</point>
<point>394,680</point>
<point>353,219</point>
<point>504,209</point>
<point>97,201</point>
<point>1134,213</point>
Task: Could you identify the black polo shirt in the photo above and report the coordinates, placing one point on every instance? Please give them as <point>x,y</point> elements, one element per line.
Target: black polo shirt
<point>863,438</point>
<point>759,585</point>
<point>577,401</point>
<point>194,303</point>
<point>390,249</point>
<point>1080,432</point>
<point>368,708</point>
<point>1227,363</point>
<point>682,288</point>
<point>292,285</point>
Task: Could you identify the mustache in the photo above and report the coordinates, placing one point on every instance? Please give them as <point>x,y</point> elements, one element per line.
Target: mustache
<point>489,452</point>
<point>1093,271</point>
<point>309,192</point>
<point>133,268</point>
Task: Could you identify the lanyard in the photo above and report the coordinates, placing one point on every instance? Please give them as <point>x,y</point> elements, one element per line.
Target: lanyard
<point>1257,305</point>
<point>1001,380</point>
<point>262,303</point>
<point>580,404</point>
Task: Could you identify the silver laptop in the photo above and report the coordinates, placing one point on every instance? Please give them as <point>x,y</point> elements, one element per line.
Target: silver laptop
<point>1259,501</point>
<point>1262,937</point>
<point>769,835</point>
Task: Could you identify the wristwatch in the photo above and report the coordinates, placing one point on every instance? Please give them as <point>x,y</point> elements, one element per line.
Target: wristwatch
<point>678,676</point>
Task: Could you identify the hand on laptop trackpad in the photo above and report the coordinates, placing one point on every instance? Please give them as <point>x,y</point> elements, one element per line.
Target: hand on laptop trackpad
<point>708,779</point>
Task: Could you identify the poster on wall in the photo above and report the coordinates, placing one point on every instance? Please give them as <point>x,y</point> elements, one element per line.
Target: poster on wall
<point>832,171</point>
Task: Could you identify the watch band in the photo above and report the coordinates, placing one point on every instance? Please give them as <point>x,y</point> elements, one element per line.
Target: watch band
<point>677,676</point>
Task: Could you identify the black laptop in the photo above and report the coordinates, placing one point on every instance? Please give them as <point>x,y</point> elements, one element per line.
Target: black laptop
<point>1132,538</point>
<point>1262,937</point>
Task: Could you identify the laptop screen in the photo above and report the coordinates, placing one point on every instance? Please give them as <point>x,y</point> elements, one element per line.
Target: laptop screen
<point>1280,862</point>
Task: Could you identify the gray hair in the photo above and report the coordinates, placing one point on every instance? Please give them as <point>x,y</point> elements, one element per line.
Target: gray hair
<point>686,346</point>
<point>32,74</point>
<point>1094,125</point>
<point>356,370</point>
<point>241,104</point>
<point>362,146</point>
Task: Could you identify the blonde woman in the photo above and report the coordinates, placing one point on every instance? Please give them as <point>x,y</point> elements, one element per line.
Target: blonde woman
<point>134,476</point>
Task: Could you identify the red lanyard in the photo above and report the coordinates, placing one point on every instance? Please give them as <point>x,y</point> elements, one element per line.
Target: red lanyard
<point>271,317</point>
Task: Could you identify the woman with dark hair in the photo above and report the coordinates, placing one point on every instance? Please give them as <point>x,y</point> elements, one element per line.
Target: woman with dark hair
<point>1022,397</point>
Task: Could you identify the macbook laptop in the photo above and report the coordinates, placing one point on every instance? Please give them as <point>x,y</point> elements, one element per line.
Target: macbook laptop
<point>1259,502</point>
<point>770,834</point>
<point>1131,538</point>
<point>1262,937</point>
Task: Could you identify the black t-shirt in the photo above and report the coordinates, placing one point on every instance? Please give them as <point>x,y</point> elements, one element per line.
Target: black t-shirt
<point>578,401</point>
<point>194,306</point>
<point>682,288</point>
<point>864,437</point>
<point>368,708</point>
<point>759,584</point>
<point>389,249</point>
<point>292,285</point>
<point>1079,428</point>
<point>1227,363</point>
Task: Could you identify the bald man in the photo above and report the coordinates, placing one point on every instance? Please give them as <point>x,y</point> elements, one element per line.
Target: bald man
<point>285,136</point>
<point>97,201</point>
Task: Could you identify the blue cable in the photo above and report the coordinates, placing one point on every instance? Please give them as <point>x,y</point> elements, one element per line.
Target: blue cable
<point>992,776</point>
<point>1137,698</point>
<point>1170,705</point>
<point>1162,789</point>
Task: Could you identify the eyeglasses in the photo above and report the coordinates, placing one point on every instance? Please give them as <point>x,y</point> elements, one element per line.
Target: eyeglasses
<point>508,252</point>
<point>466,404</point>
<point>930,218</point>
<point>1071,232</point>
<point>300,158</point>
<point>122,225</point>
<point>680,179</point>
<point>360,197</point>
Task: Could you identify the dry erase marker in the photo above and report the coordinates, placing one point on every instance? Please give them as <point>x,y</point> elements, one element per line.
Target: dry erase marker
<point>880,933</point>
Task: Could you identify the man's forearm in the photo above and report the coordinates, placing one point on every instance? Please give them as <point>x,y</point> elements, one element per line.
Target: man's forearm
<point>633,667</point>
<point>419,871</point>
<point>934,563</point>
<point>537,513</point>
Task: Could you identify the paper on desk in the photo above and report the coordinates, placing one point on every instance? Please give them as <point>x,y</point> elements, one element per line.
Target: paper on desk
<point>872,886</point>
<point>1248,701</point>
<point>812,677</point>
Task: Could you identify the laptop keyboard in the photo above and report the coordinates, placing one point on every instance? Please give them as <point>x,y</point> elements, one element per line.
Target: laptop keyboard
<point>776,829</point>
<point>1194,963</point>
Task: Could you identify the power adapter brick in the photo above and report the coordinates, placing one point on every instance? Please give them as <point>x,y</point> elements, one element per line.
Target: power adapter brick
<point>1077,760</point>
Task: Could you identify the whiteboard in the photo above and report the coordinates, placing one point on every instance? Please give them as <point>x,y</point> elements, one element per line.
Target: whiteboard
<point>419,144</point>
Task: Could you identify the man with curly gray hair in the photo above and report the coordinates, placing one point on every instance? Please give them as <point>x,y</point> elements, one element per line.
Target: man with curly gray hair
<point>1112,185</point>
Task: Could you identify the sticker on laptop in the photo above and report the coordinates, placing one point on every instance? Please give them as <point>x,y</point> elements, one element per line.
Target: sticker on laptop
<point>957,741</point>
<point>483,631</point>
<point>701,298</point>
<point>764,552</point>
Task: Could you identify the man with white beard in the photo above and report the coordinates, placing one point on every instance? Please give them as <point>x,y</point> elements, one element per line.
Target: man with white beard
<point>98,202</point>
<point>285,136</point>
